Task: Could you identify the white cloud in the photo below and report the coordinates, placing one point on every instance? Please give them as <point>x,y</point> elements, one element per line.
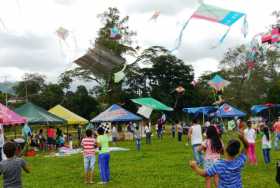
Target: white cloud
<point>30,43</point>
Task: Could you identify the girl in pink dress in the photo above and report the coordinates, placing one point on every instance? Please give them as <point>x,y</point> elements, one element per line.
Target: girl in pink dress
<point>213,148</point>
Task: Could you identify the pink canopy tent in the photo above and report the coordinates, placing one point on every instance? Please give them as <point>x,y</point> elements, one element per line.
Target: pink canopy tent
<point>9,117</point>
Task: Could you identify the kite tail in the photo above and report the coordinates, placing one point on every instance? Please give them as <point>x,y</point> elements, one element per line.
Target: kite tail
<point>222,39</point>
<point>244,28</point>
<point>179,40</point>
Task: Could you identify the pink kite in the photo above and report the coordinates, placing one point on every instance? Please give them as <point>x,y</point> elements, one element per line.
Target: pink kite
<point>9,117</point>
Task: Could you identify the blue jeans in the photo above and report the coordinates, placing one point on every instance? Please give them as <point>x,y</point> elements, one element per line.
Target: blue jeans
<point>159,133</point>
<point>103,163</point>
<point>266,155</point>
<point>138,144</point>
<point>89,162</point>
<point>197,154</point>
<point>276,142</point>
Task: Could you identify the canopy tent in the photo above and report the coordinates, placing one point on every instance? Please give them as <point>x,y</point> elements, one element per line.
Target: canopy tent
<point>152,103</point>
<point>115,113</point>
<point>70,117</point>
<point>9,117</point>
<point>204,110</point>
<point>262,107</point>
<point>37,115</point>
<point>227,111</point>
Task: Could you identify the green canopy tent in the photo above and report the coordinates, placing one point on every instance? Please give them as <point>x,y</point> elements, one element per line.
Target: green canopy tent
<point>152,103</point>
<point>37,115</point>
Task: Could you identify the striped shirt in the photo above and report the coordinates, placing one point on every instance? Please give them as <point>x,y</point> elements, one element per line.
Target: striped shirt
<point>88,144</point>
<point>229,172</point>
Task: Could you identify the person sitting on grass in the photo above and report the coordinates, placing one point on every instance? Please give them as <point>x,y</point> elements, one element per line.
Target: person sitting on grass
<point>228,170</point>
<point>11,168</point>
<point>104,155</point>
<point>88,143</point>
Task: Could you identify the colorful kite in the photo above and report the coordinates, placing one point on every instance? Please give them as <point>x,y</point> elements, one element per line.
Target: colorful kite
<point>62,33</point>
<point>218,83</point>
<point>115,33</point>
<point>217,15</point>
<point>155,15</point>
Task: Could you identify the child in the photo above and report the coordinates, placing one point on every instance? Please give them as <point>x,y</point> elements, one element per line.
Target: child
<point>137,136</point>
<point>213,148</point>
<point>11,168</point>
<point>173,130</point>
<point>228,170</point>
<point>179,130</point>
<point>88,144</point>
<point>266,145</point>
<point>250,135</point>
<point>104,155</point>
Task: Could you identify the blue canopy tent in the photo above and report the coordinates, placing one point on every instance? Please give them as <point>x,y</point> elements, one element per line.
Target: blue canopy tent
<point>266,110</point>
<point>227,111</point>
<point>115,113</point>
<point>205,111</point>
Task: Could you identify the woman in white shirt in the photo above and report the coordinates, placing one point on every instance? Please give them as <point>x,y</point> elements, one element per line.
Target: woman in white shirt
<point>250,135</point>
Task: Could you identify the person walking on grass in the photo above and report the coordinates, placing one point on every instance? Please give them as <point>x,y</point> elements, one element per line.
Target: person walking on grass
<point>179,131</point>
<point>228,170</point>
<point>137,136</point>
<point>266,144</point>
<point>89,144</point>
<point>173,130</point>
<point>11,167</point>
<point>114,134</point>
<point>148,134</point>
<point>276,128</point>
<point>213,148</point>
<point>104,155</point>
<point>195,135</point>
<point>250,135</point>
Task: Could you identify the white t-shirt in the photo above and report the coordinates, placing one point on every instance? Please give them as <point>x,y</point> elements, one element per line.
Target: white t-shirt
<point>207,124</point>
<point>250,135</point>
<point>147,129</point>
<point>266,144</point>
<point>196,137</point>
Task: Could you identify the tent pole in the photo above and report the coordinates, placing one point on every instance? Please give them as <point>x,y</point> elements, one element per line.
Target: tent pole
<point>15,129</point>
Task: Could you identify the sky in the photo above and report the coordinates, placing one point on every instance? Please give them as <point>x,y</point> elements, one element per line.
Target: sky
<point>29,44</point>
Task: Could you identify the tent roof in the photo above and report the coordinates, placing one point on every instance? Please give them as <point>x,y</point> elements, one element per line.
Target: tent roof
<point>115,113</point>
<point>9,117</point>
<point>70,117</point>
<point>152,103</point>
<point>228,111</point>
<point>206,110</point>
<point>261,107</point>
<point>38,115</point>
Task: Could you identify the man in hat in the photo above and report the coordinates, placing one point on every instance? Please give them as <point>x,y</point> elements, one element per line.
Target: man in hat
<point>276,128</point>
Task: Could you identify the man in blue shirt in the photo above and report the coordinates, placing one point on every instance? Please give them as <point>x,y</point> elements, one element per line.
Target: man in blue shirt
<point>228,170</point>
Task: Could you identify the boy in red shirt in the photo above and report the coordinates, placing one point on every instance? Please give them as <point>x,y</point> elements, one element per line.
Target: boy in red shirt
<point>89,144</point>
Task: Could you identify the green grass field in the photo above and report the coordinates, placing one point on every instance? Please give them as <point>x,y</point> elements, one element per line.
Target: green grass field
<point>162,164</point>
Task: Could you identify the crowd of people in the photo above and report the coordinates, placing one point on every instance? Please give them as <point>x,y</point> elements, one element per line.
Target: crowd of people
<point>206,143</point>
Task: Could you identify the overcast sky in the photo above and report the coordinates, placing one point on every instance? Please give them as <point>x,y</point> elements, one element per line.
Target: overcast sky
<point>28,42</point>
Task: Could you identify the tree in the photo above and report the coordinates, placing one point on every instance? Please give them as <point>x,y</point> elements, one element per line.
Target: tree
<point>160,81</point>
<point>81,102</point>
<point>31,85</point>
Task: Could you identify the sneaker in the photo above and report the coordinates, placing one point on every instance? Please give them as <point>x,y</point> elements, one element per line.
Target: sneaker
<point>102,183</point>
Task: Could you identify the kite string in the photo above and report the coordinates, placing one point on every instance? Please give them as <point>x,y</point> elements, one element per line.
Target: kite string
<point>179,40</point>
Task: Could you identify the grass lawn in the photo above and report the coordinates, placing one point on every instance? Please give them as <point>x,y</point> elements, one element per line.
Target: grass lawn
<point>162,164</point>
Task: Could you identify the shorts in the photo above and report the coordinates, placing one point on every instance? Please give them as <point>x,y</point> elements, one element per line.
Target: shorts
<point>89,162</point>
<point>208,163</point>
<point>51,141</point>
